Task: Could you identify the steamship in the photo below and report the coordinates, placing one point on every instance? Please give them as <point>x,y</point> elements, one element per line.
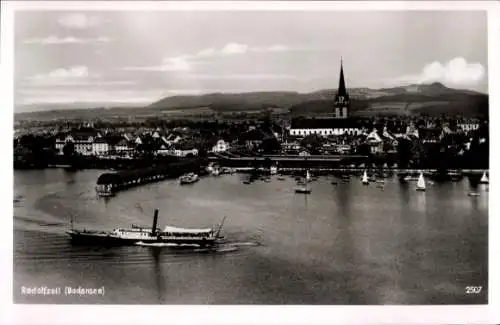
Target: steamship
<point>137,235</point>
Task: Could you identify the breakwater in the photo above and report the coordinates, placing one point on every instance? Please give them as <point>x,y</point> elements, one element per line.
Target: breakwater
<point>109,184</point>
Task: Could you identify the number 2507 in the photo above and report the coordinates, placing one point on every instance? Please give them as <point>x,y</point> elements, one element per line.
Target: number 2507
<point>473,290</point>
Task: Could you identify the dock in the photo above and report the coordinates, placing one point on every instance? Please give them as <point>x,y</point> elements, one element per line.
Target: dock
<point>108,184</point>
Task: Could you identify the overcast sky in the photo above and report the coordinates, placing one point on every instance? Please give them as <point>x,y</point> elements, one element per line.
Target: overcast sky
<point>142,56</point>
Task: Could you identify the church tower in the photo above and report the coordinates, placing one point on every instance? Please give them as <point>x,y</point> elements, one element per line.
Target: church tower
<point>341,98</point>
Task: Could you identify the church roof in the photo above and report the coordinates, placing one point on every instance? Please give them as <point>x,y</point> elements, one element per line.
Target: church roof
<point>324,123</point>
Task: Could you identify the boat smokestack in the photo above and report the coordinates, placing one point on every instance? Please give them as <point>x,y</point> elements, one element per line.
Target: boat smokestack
<point>155,222</point>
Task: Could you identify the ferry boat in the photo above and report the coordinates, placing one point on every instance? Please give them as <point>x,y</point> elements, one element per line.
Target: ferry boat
<point>144,235</point>
<point>188,178</point>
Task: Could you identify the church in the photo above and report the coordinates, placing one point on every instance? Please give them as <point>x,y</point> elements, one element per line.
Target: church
<point>337,124</point>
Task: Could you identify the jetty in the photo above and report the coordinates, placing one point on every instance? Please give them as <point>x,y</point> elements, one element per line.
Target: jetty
<point>108,184</point>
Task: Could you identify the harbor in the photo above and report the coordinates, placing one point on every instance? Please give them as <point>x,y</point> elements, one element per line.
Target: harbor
<point>349,236</point>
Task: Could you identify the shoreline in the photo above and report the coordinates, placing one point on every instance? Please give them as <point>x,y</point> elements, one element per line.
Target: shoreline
<point>291,169</point>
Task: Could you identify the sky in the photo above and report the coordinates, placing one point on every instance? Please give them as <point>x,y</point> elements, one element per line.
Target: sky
<point>138,57</point>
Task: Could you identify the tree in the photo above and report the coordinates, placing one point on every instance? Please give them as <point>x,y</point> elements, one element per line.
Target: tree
<point>364,149</point>
<point>312,142</point>
<point>69,149</point>
<point>404,152</point>
<point>270,145</point>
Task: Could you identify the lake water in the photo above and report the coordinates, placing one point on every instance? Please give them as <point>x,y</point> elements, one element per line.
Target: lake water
<point>343,244</point>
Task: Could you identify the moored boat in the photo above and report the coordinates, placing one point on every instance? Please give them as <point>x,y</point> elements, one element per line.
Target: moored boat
<point>364,179</point>
<point>304,189</point>
<point>455,176</point>
<point>188,178</point>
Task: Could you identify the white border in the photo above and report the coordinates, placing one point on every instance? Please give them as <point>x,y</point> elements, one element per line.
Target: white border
<point>41,314</point>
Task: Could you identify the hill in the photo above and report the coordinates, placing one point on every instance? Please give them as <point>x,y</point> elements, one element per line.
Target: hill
<point>432,99</point>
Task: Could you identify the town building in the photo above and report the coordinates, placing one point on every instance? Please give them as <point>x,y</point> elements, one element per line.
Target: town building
<point>82,139</point>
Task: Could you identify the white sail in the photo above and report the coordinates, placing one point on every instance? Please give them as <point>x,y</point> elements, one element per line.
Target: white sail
<point>484,179</point>
<point>364,180</point>
<point>421,182</point>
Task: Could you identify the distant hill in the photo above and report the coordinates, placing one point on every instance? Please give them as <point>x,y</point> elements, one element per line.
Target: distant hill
<point>432,99</point>
<point>231,101</point>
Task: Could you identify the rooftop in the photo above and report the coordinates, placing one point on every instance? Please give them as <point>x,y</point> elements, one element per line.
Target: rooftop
<point>325,123</point>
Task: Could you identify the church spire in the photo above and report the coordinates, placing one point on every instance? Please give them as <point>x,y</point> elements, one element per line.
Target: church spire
<point>341,90</point>
<point>341,98</point>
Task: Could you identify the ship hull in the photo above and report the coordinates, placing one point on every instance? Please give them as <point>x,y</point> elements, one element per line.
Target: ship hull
<point>83,238</point>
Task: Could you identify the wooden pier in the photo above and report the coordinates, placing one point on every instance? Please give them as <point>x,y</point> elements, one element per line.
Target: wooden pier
<point>109,184</point>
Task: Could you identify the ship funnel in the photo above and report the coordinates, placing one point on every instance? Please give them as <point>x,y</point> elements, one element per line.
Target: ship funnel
<point>155,222</point>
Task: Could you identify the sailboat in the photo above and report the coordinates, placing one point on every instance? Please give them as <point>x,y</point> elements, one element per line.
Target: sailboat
<point>304,189</point>
<point>421,183</point>
<point>484,179</point>
<point>364,180</point>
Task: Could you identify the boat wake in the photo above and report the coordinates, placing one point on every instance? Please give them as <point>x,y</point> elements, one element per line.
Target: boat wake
<point>140,243</point>
<point>218,248</point>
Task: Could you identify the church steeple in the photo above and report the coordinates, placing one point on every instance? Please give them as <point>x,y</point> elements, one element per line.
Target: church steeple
<point>341,90</point>
<point>342,97</point>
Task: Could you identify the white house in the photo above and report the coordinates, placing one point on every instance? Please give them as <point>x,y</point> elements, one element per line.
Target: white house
<point>468,126</point>
<point>221,146</point>
<point>100,147</point>
<point>163,150</point>
<point>375,142</point>
<point>122,146</point>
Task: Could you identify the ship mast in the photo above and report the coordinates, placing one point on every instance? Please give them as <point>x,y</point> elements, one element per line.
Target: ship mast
<point>220,227</point>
